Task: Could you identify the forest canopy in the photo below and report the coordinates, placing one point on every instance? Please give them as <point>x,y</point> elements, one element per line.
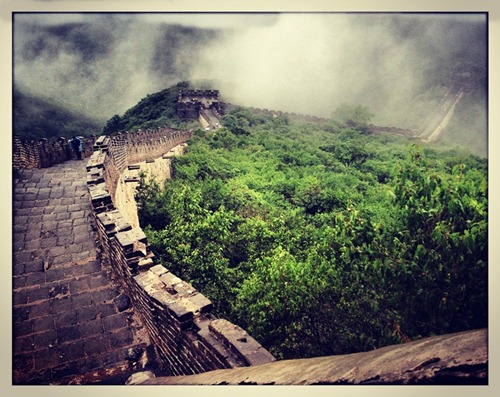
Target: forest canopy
<point>322,239</point>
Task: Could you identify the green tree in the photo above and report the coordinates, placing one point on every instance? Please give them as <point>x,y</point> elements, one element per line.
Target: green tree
<point>322,240</point>
<point>113,125</point>
<point>442,246</point>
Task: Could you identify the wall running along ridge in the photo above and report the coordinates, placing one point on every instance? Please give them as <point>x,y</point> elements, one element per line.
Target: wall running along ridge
<point>188,338</point>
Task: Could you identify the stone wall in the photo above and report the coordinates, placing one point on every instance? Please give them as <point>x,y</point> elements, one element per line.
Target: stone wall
<point>190,102</point>
<point>30,154</point>
<point>189,339</point>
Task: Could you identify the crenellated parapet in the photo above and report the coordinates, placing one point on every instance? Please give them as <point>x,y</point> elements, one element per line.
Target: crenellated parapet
<point>43,153</point>
<point>189,339</point>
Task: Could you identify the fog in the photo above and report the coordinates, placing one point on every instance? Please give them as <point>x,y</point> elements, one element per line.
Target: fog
<point>398,65</point>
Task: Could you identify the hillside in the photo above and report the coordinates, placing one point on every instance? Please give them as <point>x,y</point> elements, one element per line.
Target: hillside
<point>34,118</point>
<point>321,238</point>
<point>154,110</point>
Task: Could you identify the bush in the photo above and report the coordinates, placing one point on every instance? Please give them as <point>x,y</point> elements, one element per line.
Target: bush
<point>322,241</point>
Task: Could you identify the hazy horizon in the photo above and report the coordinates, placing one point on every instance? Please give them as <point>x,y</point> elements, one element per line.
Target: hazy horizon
<point>396,64</point>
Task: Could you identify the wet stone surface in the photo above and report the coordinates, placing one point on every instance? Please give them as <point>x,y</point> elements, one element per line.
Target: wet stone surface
<point>71,323</point>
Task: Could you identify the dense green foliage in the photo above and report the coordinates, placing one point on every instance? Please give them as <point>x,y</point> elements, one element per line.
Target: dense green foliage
<point>155,110</point>
<point>36,118</point>
<point>322,239</point>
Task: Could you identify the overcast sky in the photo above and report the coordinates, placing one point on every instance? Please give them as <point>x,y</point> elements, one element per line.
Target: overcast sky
<point>102,64</point>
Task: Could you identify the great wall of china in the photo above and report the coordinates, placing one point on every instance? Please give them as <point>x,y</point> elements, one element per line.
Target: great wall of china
<point>185,343</point>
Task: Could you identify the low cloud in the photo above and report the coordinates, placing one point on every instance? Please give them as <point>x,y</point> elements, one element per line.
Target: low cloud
<point>102,64</point>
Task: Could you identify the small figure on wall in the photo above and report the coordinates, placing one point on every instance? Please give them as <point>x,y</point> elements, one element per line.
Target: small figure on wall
<point>77,145</point>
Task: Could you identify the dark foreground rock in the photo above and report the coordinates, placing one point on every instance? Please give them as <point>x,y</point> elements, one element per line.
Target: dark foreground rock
<point>460,358</point>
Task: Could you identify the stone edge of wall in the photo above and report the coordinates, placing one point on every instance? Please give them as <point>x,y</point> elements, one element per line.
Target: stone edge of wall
<point>188,338</point>
<point>452,359</point>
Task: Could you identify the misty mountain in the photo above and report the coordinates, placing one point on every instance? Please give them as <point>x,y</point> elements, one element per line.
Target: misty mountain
<point>155,110</point>
<point>35,118</point>
<point>401,66</point>
<point>102,64</point>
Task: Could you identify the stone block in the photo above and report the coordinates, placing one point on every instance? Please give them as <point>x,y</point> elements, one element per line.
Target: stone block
<point>92,267</point>
<point>181,313</point>
<point>122,302</point>
<point>72,351</point>
<point>114,322</point>
<point>67,334</point>
<point>20,298</point>
<point>133,240</point>
<point>67,318</point>
<point>101,296</point>
<point>22,326</point>
<point>47,358</point>
<point>91,328</point>
<point>145,263</point>
<point>99,192</point>
<point>121,338</point>
<point>162,297</point>
<point>96,160</point>
<point>101,143</point>
<point>96,345</point>
<point>23,344</point>
<point>196,303</point>
<point>39,294</point>
<point>148,281</point>
<point>44,340</point>
<point>239,342</point>
<point>113,222</point>
<point>259,357</point>
<point>158,270</point>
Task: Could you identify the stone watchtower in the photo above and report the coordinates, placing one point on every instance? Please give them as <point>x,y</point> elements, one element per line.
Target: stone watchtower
<point>192,102</point>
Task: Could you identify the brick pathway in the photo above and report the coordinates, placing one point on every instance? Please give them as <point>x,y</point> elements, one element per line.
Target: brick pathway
<point>67,323</point>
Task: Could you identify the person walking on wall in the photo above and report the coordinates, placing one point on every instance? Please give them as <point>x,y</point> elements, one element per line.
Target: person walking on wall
<point>77,145</point>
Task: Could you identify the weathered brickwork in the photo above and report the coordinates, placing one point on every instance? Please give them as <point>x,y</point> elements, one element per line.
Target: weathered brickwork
<point>71,322</point>
<point>188,338</point>
<point>29,154</point>
<point>191,102</point>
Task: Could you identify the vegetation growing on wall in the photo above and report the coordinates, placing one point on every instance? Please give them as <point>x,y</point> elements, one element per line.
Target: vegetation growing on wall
<point>323,239</point>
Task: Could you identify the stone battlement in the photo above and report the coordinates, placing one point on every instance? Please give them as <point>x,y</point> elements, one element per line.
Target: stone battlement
<point>189,339</point>
<point>191,102</point>
<point>43,153</point>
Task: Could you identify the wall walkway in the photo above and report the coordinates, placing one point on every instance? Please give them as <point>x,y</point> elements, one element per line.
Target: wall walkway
<point>71,324</point>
